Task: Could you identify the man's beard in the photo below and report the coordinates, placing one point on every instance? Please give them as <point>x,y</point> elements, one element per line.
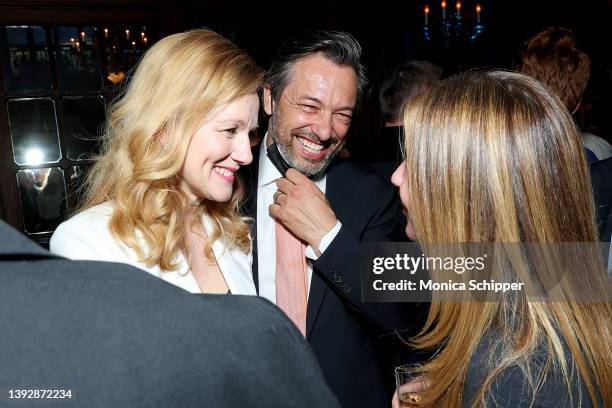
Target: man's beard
<point>317,169</point>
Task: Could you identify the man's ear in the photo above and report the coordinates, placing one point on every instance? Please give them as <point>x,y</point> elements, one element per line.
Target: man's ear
<point>267,100</point>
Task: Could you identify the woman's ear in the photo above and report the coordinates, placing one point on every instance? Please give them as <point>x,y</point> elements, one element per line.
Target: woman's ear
<point>163,139</point>
<point>267,100</point>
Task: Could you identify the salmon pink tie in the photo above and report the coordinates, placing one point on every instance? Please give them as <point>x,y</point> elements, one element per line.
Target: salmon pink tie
<point>291,275</point>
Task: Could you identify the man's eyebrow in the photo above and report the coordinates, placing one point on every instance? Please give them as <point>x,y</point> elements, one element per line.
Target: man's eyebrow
<point>318,102</point>
<point>346,108</point>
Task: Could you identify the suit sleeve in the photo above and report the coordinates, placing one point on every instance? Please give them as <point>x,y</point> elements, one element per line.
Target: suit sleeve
<point>339,264</point>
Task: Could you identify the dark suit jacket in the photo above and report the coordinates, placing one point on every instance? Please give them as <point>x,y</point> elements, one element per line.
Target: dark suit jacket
<point>339,327</point>
<point>601,177</point>
<point>118,337</point>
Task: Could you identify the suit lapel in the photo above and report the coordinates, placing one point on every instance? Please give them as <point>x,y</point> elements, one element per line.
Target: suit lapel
<point>318,290</point>
<point>339,191</point>
<point>250,206</point>
<point>339,197</point>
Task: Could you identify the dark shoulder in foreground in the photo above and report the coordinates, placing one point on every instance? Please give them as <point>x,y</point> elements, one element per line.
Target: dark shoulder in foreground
<point>117,336</point>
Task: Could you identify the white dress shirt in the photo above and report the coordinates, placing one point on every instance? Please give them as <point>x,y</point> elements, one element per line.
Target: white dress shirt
<point>266,236</point>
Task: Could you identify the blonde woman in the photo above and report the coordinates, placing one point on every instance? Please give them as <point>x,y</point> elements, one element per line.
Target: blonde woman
<point>494,157</point>
<point>164,194</point>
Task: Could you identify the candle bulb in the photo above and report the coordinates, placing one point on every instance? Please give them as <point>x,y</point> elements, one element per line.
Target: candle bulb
<point>443,10</point>
<point>127,34</point>
<point>478,8</point>
<point>144,40</point>
<point>427,14</point>
<point>105,32</point>
<point>458,5</point>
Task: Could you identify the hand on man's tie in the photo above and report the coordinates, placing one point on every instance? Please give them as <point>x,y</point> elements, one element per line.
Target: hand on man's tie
<point>302,208</point>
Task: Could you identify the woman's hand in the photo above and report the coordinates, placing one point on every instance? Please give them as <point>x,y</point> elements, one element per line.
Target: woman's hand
<point>416,387</point>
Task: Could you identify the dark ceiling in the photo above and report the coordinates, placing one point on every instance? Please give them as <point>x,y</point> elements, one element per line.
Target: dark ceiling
<point>390,30</point>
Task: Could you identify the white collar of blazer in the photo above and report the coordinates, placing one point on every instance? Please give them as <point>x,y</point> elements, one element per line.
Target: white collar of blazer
<point>235,265</point>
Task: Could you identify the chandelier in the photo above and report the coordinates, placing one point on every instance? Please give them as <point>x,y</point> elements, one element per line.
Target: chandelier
<point>449,27</point>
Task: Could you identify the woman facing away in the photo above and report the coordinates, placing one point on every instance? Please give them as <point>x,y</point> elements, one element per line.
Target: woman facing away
<point>493,157</point>
<point>164,194</point>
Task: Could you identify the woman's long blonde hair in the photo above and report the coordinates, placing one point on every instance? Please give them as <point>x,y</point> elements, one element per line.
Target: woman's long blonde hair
<point>179,81</point>
<point>493,157</point>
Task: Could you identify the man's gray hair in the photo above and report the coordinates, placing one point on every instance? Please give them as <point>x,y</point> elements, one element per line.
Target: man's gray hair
<point>340,47</point>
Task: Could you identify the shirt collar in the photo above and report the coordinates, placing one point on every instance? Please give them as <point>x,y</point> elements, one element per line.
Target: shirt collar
<point>268,173</point>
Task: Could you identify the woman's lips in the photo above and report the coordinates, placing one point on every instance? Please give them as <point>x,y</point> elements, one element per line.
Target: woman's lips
<point>225,173</point>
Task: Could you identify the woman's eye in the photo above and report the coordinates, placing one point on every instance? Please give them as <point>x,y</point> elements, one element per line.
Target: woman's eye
<point>231,130</point>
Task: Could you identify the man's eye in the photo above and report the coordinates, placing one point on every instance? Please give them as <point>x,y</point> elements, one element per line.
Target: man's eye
<point>309,108</point>
<point>344,118</point>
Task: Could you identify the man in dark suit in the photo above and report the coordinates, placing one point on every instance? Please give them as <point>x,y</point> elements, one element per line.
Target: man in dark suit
<point>310,223</point>
<point>98,334</point>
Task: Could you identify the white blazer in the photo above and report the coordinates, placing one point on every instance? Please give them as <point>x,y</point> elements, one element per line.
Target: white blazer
<point>86,236</point>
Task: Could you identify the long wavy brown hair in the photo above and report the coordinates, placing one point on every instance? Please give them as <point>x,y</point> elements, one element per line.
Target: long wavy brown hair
<point>179,81</point>
<point>494,157</point>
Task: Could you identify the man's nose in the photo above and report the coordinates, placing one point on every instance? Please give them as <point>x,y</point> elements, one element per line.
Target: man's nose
<point>324,126</point>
